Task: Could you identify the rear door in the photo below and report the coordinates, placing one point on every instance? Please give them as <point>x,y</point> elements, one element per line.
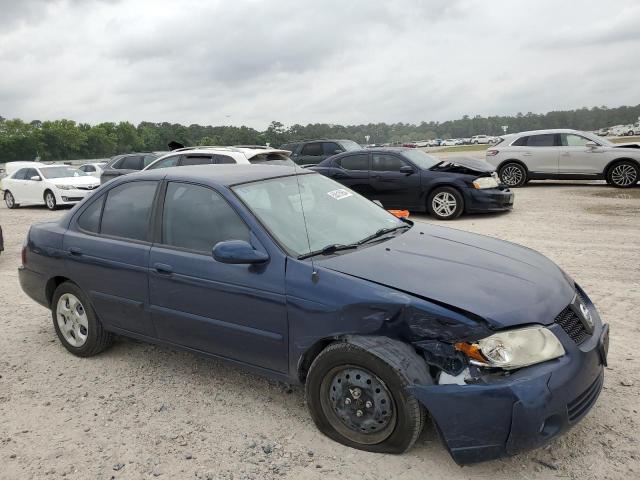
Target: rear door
<point>353,171</point>
<point>107,247</point>
<point>235,311</point>
<point>16,184</point>
<point>395,189</point>
<point>540,153</point>
<point>576,158</point>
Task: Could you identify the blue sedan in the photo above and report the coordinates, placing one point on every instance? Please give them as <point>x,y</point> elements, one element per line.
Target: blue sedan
<point>299,278</point>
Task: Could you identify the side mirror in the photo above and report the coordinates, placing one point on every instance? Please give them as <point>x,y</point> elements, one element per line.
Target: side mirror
<point>408,169</point>
<point>591,145</point>
<point>35,178</point>
<point>238,252</point>
<point>336,151</point>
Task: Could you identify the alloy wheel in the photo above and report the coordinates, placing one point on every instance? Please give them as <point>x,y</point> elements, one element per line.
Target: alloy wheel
<point>444,204</point>
<point>624,175</point>
<point>72,320</point>
<point>9,200</point>
<point>512,175</point>
<point>358,404</point>
<point>50,201</point>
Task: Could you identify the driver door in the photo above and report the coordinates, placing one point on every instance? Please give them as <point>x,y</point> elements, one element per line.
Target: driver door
<point>395,189</point>
<point>233,311</point>
<point>34,188</point>
<point>576,158</point>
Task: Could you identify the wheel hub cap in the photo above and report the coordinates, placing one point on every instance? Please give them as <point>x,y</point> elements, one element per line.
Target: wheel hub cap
<point>444,204</point>
<point>72,320</point>
<point>624,175</point>
<point>512,175</point>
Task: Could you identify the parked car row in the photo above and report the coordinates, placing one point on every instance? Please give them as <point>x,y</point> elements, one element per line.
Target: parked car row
<point>620,130</point>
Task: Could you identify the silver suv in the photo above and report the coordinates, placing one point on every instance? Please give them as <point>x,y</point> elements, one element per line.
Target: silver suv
<point>564,155</point>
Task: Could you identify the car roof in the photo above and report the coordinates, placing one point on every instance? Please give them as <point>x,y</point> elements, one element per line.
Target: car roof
<point>223,175</point>
<point>547,131</point>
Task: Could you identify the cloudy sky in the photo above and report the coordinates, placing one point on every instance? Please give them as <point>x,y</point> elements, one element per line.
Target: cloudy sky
<point>335,61</point>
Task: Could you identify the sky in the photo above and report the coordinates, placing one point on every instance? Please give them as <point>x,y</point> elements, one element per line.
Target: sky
<point>249,62</point>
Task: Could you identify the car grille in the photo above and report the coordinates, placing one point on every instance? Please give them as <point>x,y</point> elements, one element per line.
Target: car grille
<point>578,407</point>
<point>571,323</point>
<point>89,187</point>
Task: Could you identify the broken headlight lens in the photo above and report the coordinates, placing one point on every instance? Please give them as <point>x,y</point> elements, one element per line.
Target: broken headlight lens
<point>485,182</point>
<point>514,348</point>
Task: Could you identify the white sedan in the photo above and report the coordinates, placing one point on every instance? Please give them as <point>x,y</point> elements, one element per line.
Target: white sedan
<point>51,185</point>
<point>94,169</point>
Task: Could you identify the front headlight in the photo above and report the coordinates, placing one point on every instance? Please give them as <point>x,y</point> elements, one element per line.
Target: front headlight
<point>514,348</point>
<point>64,187</point>
<point>485,182</point>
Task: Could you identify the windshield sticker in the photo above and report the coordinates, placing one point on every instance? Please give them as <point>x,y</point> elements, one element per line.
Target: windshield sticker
<point>339,194</point>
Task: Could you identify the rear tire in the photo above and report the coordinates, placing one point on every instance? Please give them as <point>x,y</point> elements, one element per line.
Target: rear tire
<point>445,203</point>
<point>50,200</point>
<point>76,323</point>
<point>623,174</point>
<point>374,381</point>
<point>10,200</point>
<point>513,174</point>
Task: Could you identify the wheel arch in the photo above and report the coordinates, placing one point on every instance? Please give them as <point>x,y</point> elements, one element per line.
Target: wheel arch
<point>443,183</point>
<point>617,160</point>
<point>52,284</point>
<point>512,160</point>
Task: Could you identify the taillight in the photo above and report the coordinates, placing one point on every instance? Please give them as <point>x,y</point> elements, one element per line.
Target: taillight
<point>492,153</point>
<point>24,255</point>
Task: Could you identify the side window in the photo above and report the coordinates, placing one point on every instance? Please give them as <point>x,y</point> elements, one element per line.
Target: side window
<point>89,168</point>
<point>354,162</point>
<point>196,160</point>
<point>166,162</point>
<point>196,218</point>
<point>521,142</point>
<point>331,148</point>
<point>386,163</point>
<point>117,163</point>
<point>224,159</point>
<point>31,172</point>
<point>127,210</point>
<point>90,218</point>
<point>20,174</point>
<point>132,162</point>
<point>570,140</point>
<point>312,149</point>
<point>147,159</point>
<point>547,140</point>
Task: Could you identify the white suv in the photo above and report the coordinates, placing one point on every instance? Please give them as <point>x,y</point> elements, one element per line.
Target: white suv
<point>564,154</point>
<point>482,139</point>
<point>250,154</point>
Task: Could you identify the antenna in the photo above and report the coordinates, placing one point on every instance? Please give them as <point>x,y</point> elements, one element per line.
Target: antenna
<point>314,273</point>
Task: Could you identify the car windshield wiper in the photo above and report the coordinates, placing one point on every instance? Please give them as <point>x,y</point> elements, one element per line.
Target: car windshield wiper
<point>381,232</point>
<point>329,249</point>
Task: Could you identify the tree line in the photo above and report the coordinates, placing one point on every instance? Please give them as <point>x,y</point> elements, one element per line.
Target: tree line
<point>68,140</point>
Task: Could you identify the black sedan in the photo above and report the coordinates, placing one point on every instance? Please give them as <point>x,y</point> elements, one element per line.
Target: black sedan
<point>410,179</point>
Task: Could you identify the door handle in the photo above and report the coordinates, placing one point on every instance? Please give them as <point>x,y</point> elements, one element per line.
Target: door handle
<point>526,154</point>
<point>163,268</point>
<point>75,251</point>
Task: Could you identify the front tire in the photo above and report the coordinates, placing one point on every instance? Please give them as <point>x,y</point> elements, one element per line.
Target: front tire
<point>513,174</point>
<point>624,174</point>
<point>445,203</point>
<point>50,200</point>
<point>76,323</point>
<point>358,397</point>
<point>10,200</point>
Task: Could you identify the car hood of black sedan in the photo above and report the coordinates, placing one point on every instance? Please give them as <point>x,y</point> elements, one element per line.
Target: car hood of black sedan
<point>504,283</point>
<point>472,164</point>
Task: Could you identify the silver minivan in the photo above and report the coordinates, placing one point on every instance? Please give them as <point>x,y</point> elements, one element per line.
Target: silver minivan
<point>564,154</point>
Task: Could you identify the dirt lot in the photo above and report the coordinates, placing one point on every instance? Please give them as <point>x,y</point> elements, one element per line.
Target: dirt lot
<point>140,411</point>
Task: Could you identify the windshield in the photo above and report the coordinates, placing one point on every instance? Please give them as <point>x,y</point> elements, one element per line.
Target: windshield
<point>420,159</point>
<point>61,172</point>
<point>350,145</point>
<point>598,139</point>
<point>334,214</point>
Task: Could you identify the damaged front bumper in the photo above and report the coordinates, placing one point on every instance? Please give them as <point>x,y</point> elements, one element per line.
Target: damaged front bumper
<point>498,416</point>
<point>489,200</point>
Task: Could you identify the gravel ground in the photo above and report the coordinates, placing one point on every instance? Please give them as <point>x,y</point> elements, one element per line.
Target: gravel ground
<point>141,411</point>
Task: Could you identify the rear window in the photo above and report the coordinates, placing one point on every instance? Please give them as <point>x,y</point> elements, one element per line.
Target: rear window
<point>90,218</point>
<point>312,149</point>
<point>127,210</point>
<point>354,162</point>
<point>520,142</point>
<point>546,140</point>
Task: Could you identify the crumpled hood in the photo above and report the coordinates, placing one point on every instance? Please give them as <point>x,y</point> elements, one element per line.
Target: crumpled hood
<point>502,282</point>
<point>471,163</point>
